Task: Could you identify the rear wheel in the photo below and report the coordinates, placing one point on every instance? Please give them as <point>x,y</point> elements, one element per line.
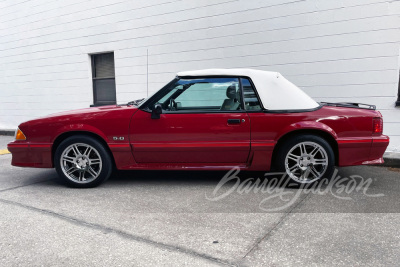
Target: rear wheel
<point>306,159</point>
<point>82,161</point>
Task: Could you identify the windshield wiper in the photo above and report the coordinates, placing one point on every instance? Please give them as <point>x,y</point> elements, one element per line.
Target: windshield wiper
<point>135,102</point>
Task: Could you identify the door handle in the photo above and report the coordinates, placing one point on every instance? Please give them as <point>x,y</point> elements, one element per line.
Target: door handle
<point>233,121</point>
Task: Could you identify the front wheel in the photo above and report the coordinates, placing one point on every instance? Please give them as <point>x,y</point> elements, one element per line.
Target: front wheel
<point>306,159</point>
<point>82,161</point>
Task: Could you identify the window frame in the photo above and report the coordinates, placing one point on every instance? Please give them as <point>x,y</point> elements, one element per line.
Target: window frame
<point>94,78</point>
<point>262,109</point>
<point>147,105</point>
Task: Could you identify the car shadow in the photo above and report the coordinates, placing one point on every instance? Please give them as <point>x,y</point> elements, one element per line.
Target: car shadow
<point>175,177</point>
<point>184,177</point>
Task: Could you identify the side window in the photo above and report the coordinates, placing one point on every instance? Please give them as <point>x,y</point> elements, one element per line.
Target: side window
<point>250,100</point>
<point>208,94</point>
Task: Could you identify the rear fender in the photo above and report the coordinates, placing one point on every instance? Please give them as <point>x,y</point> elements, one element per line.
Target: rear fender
<point>307,125</point>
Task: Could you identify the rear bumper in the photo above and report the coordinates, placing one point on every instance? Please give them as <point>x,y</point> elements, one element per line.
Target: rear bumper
<point>378,148</point>
<point>25,154</point>
<point>362,151</point>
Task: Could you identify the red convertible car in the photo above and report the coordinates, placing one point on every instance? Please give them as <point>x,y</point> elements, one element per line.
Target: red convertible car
<point>206,120</point>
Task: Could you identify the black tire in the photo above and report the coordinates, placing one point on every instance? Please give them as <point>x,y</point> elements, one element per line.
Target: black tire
<point>290,145</point>
<point>90,166</point>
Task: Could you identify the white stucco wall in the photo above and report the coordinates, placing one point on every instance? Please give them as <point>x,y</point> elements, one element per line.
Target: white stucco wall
<point>345,50</point>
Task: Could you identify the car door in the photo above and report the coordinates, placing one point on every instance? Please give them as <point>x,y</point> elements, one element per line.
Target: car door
<point>202,121</point>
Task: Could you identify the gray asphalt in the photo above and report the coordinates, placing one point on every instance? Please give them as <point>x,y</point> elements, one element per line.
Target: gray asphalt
<point>4,140</point>
<point>149,218</point>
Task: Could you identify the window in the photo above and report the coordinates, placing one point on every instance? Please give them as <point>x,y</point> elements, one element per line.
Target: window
<point>103,74</point>
<point>251,102</point>
<point>210,94</point>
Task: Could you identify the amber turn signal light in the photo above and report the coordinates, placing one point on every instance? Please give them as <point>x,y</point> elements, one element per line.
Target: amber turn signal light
<point>19,135</point>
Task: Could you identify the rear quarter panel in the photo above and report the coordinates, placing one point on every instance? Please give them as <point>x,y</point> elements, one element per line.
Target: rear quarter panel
<point>351,128</point>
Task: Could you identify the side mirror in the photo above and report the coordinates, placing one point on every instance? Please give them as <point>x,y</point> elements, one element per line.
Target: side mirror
<point>157,110</point>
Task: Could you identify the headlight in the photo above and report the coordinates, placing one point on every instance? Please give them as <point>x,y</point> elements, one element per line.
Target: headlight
<point>19,135</point>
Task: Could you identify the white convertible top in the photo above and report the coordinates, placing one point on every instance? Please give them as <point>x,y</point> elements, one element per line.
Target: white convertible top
<point>275,92</point>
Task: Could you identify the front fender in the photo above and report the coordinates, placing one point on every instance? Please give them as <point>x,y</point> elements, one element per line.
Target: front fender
<point>79,127</point>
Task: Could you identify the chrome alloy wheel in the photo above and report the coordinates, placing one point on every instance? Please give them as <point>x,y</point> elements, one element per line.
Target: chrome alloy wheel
<point>81,163</point>
<point>306,162</point>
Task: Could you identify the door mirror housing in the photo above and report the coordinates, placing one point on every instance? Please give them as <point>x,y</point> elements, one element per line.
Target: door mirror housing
<point>157,110</point>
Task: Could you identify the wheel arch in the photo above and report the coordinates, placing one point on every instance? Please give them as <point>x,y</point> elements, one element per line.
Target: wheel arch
<point>57,141</point>
<point>317,132</point>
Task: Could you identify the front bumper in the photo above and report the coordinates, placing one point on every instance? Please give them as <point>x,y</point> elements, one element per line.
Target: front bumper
<point>26,154</point>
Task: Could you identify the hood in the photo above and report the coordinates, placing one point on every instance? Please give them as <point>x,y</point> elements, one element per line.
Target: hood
<point>83,111</point>
<point>80,115</point>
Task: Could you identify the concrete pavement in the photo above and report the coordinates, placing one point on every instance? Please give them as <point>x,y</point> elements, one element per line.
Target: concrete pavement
<point>173,219</point>
<point>4,140</point>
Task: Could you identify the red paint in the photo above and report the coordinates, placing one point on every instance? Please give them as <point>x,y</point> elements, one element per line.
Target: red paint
<point>118,145</point>
<point>190,138</point>
<point>381,141</point>
<point>12,145</point>
<point>47,145</point>
<point>200,141</point>
<point>352,141</point>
